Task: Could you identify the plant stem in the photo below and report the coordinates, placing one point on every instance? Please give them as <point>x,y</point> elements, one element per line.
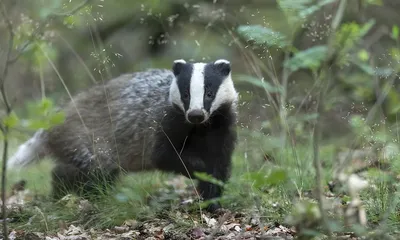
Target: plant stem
<point>8,62</point>
<point>316,136</point>
<point>325,73</point>
<point>4,128</point>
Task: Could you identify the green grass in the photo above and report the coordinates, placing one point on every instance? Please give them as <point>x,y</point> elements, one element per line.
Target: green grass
<point>138,195</point>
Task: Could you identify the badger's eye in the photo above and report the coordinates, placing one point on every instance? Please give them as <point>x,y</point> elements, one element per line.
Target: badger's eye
<point>209,94</point>
<point>186,95</point>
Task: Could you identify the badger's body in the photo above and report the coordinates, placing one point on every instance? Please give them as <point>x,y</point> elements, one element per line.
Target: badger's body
<point>178,121</point>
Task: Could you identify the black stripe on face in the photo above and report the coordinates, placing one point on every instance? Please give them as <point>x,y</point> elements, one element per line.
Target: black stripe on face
<point>183,81</point>
<point>213,77</point>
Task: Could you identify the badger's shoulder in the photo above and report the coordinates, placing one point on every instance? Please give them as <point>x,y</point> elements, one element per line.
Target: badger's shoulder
<point>147,79</point>
<point>148,83</point>
<point>124,98</point>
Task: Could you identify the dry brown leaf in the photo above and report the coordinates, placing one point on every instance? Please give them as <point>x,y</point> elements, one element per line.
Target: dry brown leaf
<point>211,222</point>
<point>132,223</point>
<point>121,229</point>
<point>131,233</point>
<point>197,233</point>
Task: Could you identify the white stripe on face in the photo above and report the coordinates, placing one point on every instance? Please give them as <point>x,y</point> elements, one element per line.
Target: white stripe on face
<point>226,94</point>
<point>197,87</point>
<point>175,95</point>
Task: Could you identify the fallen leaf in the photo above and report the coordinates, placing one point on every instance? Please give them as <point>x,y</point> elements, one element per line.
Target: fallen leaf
<point>121,229</point>
<point>72,230</point>
<point>211,222</point>
<point>197,233</point>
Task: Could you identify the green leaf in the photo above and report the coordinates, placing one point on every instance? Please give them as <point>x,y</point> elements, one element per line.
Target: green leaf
<point>43,114</point>
<point>358,123</point>
<point>11,120</point>
<point>36,124</point>
<point>304,13</point>
<point>276,177</point>
<point>46,104</point>
<point>258,83</point>
<point>69,21</point>
<point>309,58</point>
<point>366,27</point>
<point>375,2</point>
<point>347,39</point>
<point>48,10</point>
<point>395,54</point>
<point>257,178</point>
<point>57,118</point>
<point>395,32</point>
<point>393,100</point>
<point>381,72</point>
<point>293,120</point>
<point>263,36</point>
<point>261,179</point>
<point>208,178</point>
<point>41,48</point>
<point>297,11</point>
<point>363,55</point>
<point>292,9</point>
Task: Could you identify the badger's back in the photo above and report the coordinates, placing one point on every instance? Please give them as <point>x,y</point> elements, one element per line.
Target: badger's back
<point>180,121</point>
<point>113,123</point>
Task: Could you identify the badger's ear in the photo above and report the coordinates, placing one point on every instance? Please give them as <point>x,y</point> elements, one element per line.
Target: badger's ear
<point>224,66</point>
<point>177,66</point>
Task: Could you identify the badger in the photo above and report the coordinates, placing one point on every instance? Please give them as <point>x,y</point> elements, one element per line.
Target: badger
<point>180,120</point>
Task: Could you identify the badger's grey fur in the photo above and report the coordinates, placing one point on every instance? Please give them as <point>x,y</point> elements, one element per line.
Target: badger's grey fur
<point>153,119</point>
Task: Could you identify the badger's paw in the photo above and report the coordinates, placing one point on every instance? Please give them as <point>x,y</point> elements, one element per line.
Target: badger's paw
<point>213,207</point>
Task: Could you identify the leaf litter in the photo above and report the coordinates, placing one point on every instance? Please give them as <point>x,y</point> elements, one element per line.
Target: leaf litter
<point>220,226</point>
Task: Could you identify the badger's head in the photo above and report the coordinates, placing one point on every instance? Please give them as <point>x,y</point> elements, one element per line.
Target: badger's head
<point>200,89</point>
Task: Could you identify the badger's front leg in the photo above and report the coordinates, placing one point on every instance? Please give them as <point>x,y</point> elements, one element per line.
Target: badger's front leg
<point>210,153</point>
<point>219,167</point>
<point>199,159</point>
<point>217,157</point>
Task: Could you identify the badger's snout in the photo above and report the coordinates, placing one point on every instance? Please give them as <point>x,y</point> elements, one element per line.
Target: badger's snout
<point>196,116</point>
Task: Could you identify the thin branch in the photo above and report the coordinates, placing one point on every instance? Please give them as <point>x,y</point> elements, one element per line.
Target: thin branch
<point>39,31</point>
<point>21,50</point>
<point>320,108</point>
<point>316,136</point>
<point>10,47</point>
<point>8,62</point>
<point>4,128</point>
<point>72,11</point>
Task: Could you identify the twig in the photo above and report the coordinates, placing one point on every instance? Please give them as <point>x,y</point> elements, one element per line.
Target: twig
<point>72,11</point>
<point>4,128</point>
<point>4,73</point>
<point>320,108</point>
<point>39,31</point>
<point>282,103</point>
<point>218,227</point>
<point>316,135</point>
<point>9,50</point>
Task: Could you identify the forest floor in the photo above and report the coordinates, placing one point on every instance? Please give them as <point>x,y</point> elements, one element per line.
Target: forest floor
<point>156,205</point>
<point>174,224</point>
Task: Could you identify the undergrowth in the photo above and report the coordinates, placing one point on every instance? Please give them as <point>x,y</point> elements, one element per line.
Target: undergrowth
<point>284,169</point>
<point>141,196</point>
<point>145,196</point>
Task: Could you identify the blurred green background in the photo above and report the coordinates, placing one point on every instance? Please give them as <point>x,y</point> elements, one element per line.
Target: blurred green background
<point>277,110</point>
<point>108,38</point>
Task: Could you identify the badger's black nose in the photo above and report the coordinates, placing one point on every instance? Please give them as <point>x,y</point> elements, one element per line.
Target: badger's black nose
<point>196,116</point>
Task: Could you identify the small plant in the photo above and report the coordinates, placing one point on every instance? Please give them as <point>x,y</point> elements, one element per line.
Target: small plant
<point>340,49</point>
<point>24,38</point>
